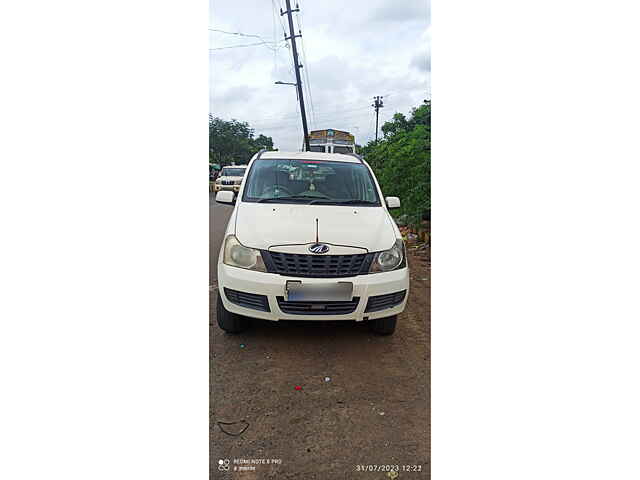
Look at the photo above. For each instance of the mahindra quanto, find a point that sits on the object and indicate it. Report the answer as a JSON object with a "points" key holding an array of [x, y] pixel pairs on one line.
{"points": [[311, 238]]}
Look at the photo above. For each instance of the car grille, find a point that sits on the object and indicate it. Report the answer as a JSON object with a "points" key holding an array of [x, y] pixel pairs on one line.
{"points": [[318, 308], [248, 300], [227, 182], [381, 302], [317, 266]]}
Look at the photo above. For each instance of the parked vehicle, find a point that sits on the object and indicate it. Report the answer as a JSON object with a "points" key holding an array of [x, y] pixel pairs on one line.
{"points": [[331, 141], [230, 178], [311, 238]]}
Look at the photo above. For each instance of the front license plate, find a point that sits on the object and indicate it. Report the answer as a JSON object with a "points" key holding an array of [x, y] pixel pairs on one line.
{"points": [[296, 291]]}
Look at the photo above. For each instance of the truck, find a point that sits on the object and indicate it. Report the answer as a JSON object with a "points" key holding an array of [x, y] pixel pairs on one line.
{"points": [[331, 141]]}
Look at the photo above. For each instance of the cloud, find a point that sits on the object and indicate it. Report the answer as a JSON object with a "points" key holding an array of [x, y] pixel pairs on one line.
{"points": [[238, 95], [402, 12], [422, 62]]}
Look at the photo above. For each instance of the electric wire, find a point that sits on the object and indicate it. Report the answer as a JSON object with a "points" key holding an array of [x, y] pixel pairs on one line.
{"points": [[237, 33], [334, 120], [266, 44], [275, 45], [277, 12], [306, 67], [275, 53], [326, 113]]}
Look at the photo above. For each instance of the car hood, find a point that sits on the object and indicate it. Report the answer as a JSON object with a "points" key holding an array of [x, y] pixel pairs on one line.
{"points": [[268, 225]]}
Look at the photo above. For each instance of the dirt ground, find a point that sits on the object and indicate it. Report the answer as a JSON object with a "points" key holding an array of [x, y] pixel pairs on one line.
{"points": [[364, 399]]}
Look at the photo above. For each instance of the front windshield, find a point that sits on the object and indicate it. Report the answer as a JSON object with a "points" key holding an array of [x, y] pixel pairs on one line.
{"points": [[310, 181], [232, 172]]}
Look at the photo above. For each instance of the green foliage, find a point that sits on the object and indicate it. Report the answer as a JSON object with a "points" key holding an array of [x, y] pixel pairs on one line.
{"points": [[401, 161], [234, 141]]}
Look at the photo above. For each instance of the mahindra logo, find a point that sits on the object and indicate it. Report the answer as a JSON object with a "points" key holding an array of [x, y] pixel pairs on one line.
{"points": [[319, 248]]}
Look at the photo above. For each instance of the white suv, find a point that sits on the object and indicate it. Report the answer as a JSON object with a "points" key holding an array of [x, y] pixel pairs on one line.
{"points": [[230, 178], [311, 238]]}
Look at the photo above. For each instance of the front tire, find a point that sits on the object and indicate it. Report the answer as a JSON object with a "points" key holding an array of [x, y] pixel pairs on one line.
{"points": [[228, 321], [384, 326]]}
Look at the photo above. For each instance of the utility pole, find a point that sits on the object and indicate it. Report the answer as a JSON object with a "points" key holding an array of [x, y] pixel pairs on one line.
{"points": [[377, 105], [297, 67]]}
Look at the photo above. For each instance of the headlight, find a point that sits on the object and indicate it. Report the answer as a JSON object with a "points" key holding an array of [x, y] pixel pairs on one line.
{"points": [[391, 259], [218, 180], [237, 255], [237, 182]]}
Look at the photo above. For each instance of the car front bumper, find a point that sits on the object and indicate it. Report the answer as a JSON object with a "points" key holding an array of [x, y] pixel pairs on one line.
{"points": [[272, 286]]}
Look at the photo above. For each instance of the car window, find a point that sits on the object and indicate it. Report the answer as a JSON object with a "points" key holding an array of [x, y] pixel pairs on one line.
{"points": [[310, 181], [233, 172], [341, 149]]}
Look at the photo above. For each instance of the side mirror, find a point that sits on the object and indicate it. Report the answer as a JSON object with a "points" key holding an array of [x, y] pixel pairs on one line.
{"points": [[392, 202], [226, 197]]}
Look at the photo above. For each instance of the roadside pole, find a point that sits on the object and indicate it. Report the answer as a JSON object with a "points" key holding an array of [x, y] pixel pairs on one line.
{"points": [[377, 105], [296, 68]]}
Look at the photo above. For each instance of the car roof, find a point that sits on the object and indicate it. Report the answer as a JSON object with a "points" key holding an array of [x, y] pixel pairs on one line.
{"points": [[330, 157]]}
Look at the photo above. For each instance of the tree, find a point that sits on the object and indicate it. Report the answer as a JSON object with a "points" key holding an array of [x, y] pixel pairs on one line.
{"points": [[397, 124], [402, 161], [264, 142], [233, 141]]}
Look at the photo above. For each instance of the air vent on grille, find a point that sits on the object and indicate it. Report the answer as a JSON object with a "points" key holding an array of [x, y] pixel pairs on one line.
{"points": [[248, 300], [319, 266], [318, 308], [380, 302]]}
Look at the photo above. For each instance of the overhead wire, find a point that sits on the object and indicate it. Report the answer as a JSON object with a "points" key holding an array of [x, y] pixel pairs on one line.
{"points": [[290, 69], [293, 75], [275, 45], [277, 12], [333, 113], [275, 53], [266, 44], [336, 109], [237, 33], [294, 79], [335, 116], [334, 120], [305, 69], [370, 132]]}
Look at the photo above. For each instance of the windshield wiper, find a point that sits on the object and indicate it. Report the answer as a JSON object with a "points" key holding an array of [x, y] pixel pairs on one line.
{"points": [[290, 197], [307, 196], [343, 202]]}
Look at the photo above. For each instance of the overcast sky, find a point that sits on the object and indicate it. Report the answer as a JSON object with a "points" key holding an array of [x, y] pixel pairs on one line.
{"points": [[355, 50]]}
